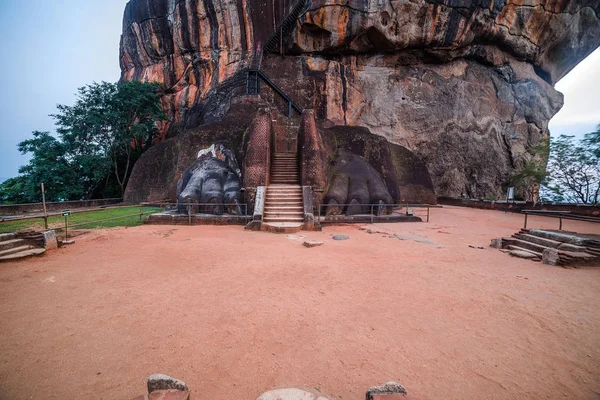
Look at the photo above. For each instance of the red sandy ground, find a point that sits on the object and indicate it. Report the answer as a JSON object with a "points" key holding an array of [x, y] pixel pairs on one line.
{"points": [[236, 313]]}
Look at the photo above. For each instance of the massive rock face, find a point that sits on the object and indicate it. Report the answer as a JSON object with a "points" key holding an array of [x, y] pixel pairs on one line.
{"points": [[465, 85]]}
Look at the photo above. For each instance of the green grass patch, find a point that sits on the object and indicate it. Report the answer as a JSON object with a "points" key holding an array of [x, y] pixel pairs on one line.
{"points": [[123, 217]]}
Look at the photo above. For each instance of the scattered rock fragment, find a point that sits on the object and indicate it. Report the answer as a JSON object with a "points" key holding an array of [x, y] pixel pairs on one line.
{"points": [[340, 237], [476, 247], [312, 243]]}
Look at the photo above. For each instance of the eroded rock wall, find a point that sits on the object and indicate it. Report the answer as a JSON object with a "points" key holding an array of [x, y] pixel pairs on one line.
{"points": [[194, 47], [465, 85], [472, 124]]}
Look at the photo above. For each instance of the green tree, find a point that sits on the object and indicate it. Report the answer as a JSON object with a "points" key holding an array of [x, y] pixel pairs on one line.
{"points": [[110, 126], [531, 176], [12, 191], [574, 170], [51, 165], [99, 138]]}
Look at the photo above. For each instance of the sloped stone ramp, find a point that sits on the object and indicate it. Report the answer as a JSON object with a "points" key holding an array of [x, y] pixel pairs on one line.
{"points": [[552, 247]]}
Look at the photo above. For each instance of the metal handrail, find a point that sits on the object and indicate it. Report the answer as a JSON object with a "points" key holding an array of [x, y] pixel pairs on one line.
{"points": [[276, 88], [560, 215], [296, 13]]}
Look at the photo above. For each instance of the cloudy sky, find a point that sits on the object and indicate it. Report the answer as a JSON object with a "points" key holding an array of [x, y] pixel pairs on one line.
{"points": [[51, 48]]}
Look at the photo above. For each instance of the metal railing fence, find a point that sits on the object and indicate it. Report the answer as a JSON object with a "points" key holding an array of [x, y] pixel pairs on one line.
{"points": [[560, 215], [377, 210]]}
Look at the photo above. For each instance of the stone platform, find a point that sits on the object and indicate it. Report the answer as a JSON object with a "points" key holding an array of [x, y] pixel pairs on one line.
{"points": [[365, 218], [174, 218]]}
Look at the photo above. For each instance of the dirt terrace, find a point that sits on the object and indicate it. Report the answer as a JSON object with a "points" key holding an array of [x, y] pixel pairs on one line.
{"points": [[236, 313]]}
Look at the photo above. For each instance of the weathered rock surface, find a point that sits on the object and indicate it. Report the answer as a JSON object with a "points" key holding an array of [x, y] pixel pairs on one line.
{"points": [[465, 85], [246, 129], [158, 382], [392, 389]]}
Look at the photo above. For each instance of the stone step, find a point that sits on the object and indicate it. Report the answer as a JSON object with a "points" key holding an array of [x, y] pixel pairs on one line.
{"points": [[7, 236], [11, 243], [560, 237], [536, 253], [285, 189], [23, 254], [15, 250], [297, 198], [567, 258], [523, 254], [282, 204], [284, 219], [538, 240], [286, 207], [285, 181], [270, 214], [526, 245], [282, 227]]}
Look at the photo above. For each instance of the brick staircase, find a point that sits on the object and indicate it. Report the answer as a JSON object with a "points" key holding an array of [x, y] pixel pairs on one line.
{"points": [[284, 207], [552, 247], [13, 247]]}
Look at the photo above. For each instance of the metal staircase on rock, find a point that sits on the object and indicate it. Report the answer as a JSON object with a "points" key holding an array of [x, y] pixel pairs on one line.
{"points": [[254, 75], [552, 247], [284, 207], [286, 26], [13, 246]]}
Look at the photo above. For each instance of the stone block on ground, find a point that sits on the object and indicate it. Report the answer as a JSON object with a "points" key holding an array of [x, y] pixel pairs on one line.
{"points": [[164, 382], [50, 241], [389, 391], [551, 257], [312, 243], [290, 394], [496, 243], [523, 254], [340, 237], [171, 394]]}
